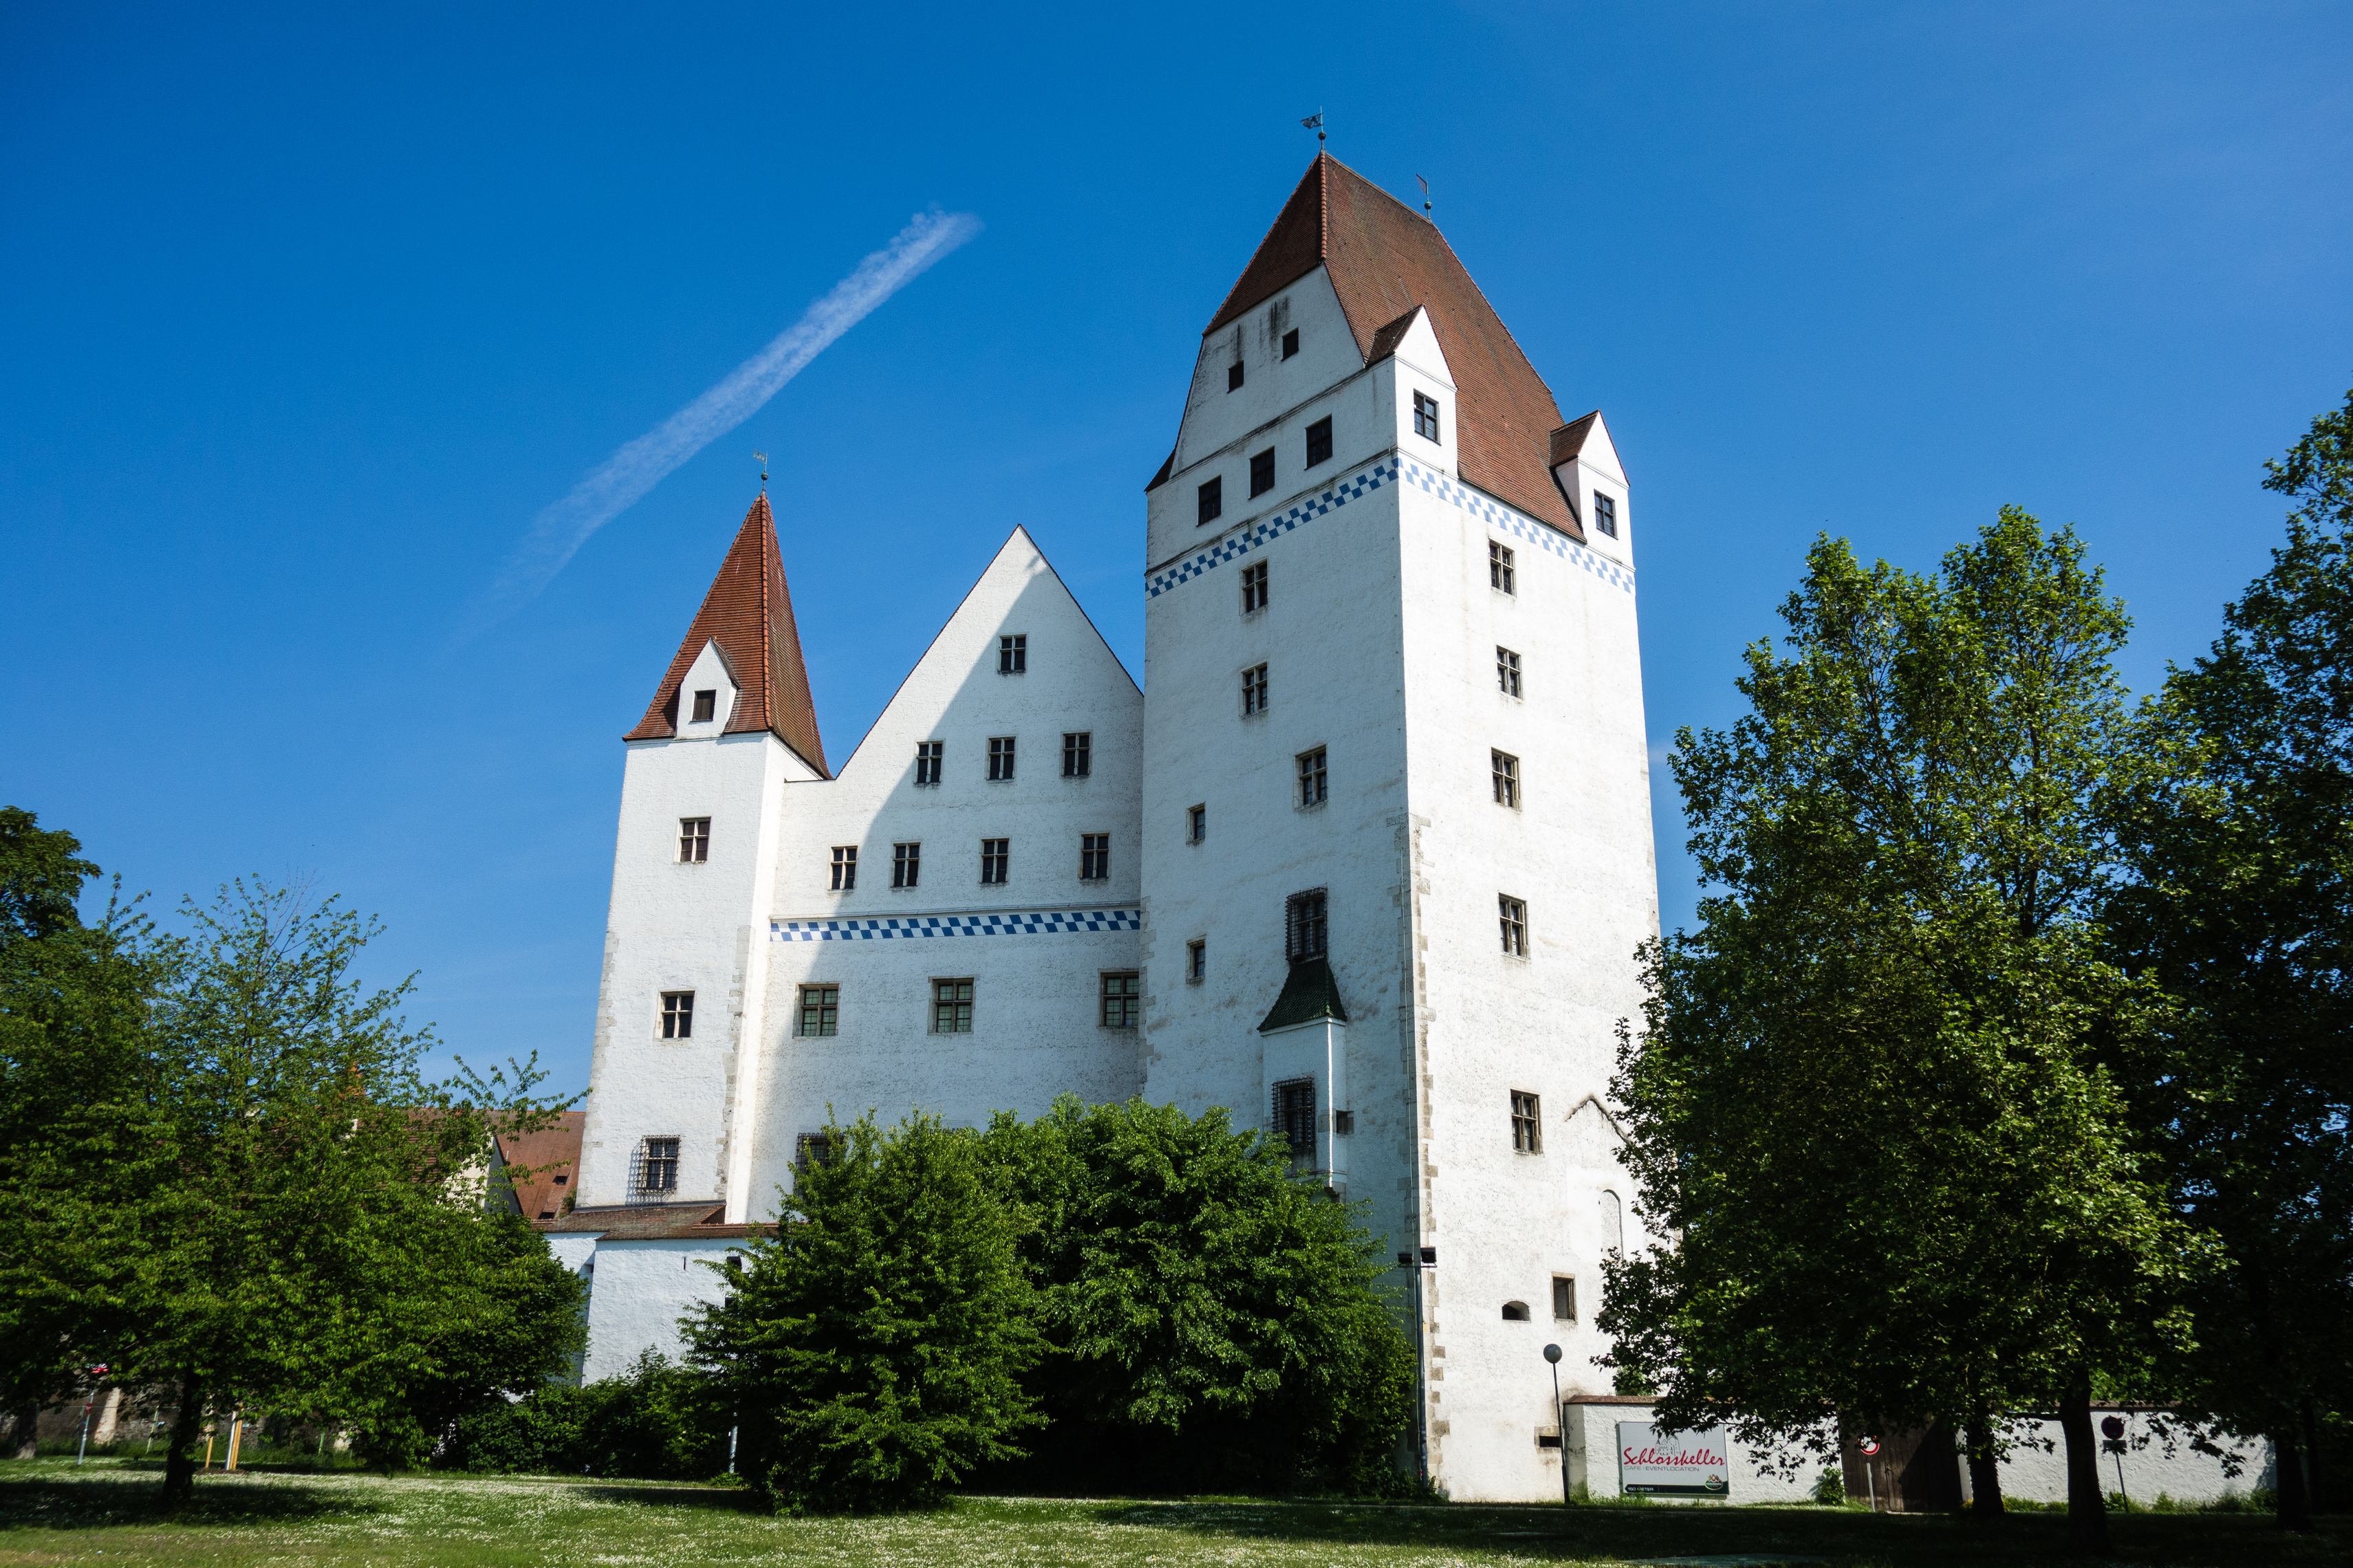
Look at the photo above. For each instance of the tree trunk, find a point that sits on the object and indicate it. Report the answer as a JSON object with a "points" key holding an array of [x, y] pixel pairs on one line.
{"points": [[1985, 1473], [2087, 1511], [2316, 1488], [180, 1458], [2291, 1497], [27, 1429]]}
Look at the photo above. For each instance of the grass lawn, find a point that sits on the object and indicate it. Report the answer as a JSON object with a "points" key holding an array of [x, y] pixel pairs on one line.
{"points": [[105, 1513]]}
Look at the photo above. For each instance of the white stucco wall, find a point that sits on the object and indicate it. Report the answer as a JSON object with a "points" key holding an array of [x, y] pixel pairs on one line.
{"points": [[637, 1291]]}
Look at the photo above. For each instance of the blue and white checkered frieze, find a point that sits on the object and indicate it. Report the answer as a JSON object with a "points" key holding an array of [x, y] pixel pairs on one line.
{"points": [[1242, 540], [1036, 922], [1503, 519]]}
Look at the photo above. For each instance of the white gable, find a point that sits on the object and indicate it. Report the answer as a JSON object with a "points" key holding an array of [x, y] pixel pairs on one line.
{"points": [[708, 673]]}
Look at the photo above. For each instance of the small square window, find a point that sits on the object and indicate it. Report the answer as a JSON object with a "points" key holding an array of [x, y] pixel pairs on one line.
{"points": [[1122, 1001], [1294, 1114], [658, 1165], [952, 1007], [1197, 823], [1013, 654], [1254, 690], [1000, 758], [820, 1009], [844, 868], [811, 1150], [1263, 472], [1527, 1124], [693, 839], [1311, 777], [996, 861], [1499, 568], [1605, 514], [1344, 1123], [1319, 442], [1197, 960], [1513, 916], [1507, 672], [1234, 376], [1078, 754], [1254, 586], [906, 864], [1564, 1299], [929, 755], [1504, 769], [1095, 857], [1306, 928], [1425, 417], [1291, 343], [677, 1015], [706, 707], [1210, 500]]}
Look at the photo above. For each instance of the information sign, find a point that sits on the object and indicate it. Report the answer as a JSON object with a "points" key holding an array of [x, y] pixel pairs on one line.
{"points": [[1689, 1464]]}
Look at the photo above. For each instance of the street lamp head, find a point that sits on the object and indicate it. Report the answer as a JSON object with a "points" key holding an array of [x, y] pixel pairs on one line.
{"points": [[1552, 1353]]}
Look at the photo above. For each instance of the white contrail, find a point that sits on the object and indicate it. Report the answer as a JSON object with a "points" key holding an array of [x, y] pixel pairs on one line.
{"points": [[618, 482]]}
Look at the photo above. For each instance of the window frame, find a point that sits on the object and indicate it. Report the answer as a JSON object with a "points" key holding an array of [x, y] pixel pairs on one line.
{"points": [[1078, 754], [827, 1004], [1293, 1115], [657, 1162], [1013, 653], [1129, 1001], [1503, 572], [1095, 857], [1234, 376], [1196, 823], [1314, 781], [1564, 1295], [1291, 343], [1261, 477], [844, 869], [1425, 418], [1507, 671], [1210, 500], [1511, 922], [996, 861], [931, 763], [1503, 772], [1254, 587], [906, 864], [1307, 925], [705, 710], [693, 840], [1605, 513], [959, 1019], [1001, 758], [1197, 960], [1527, 1122], [1254, 691], [1319, 435], [678, 1015]]}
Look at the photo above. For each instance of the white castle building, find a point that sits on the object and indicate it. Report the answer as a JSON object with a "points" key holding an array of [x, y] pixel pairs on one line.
{"points": [[1365, 862]]}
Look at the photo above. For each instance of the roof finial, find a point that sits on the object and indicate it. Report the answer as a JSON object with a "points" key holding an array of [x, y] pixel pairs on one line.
{"points": [[1425, 195], [763, 472], [1315, 122]]}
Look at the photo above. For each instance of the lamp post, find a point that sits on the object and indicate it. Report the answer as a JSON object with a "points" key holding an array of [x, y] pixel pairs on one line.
{"points": [[1560, 1421]]}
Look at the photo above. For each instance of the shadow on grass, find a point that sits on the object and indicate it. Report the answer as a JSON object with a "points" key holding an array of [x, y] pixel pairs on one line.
{"points": [[110, 1499]]}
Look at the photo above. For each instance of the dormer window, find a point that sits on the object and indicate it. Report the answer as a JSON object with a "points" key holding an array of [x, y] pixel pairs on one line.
{"points": [[1425, 417], [1212, 500], [1234, 376], [706, 707], [1605, 514], [1291, 343]]}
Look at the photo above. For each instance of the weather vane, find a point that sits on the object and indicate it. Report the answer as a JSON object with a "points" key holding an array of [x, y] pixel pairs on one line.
{"points": [[1315, 122], [1425, 195], [764, 465]]}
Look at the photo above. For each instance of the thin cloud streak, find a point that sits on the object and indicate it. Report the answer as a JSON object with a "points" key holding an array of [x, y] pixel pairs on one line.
{"points": [[622, 479]]}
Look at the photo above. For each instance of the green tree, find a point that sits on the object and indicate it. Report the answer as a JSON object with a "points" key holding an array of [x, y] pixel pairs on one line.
{"points": [[873, 1346], [1874, 1101], [1214, 1315], [2242, 908]]}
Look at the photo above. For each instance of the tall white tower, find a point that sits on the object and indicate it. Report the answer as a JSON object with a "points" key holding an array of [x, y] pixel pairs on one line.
{"points": [[1397, 827]]}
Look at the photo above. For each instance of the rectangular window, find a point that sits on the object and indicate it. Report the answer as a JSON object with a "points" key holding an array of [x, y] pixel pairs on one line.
{"points": [[693, 839], [677, 1015], [706, 707], [1319, 442], [1513, 915], [1254, 586], [1304, 927], [1344, 1123], [658, 1166], [1000, 758], [820, 1009], [1197, 823], [1095, 857], [1294, 1114], [1263, 472], [1013, 654], [1122, 1001], [811, 1150], [1499, 568], [1311, 777], [1234, 376], [996, 859], [1527, 1124], [1505, 770], [844, 868], [1291, 343], [1210, 500], [952, 1007], [1197, 960], [1254, 689], [929, 757], [1564, 1299], [906, 864], [1425, 417], [1507, 672], [1078, 754], [1605, 514]]}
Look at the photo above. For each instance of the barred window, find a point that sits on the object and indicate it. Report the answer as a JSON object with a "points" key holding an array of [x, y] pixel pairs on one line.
{"points": [[906, 864], [693, 839], [658, 1165], [1527, 1124], [1095, 857], [1294, 1114], [1263, 472], [1499, 568], [1605, 514], [1425, 417], [1254, 689], [996, 857], [952, 1007], [1319, 442], [1078, 754], [1507, 672], [1505, 770], [844, 868], [929, 757], [820, 1009], [1122, 1001], [1197, 960], [812, 1149], [1013, 654], [1254, 586], [706, 707], [1513, 916], [1210, 500], [1000, 757], [677, 1015], [1305, 926], [1311, 777]]}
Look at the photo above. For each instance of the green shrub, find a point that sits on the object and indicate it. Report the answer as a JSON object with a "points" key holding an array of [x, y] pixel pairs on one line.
{"points": [[658, 1421]]}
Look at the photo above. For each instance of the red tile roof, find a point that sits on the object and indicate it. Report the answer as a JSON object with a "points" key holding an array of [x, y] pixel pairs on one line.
{"points": [[1384, 260], [749, 613], [553, 1155], [658, 1222]]}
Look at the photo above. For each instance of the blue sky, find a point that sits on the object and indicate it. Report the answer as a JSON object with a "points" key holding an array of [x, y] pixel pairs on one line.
{"points": [[308, 313]]}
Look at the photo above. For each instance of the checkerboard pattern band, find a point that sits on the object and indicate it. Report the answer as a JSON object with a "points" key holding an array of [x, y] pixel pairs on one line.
{"points": [[1042, 923], [1241, 542], [1503, 519]]}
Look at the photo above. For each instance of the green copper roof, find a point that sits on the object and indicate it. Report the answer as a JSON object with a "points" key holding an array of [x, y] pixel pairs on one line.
{"points": [[1310, 993]]}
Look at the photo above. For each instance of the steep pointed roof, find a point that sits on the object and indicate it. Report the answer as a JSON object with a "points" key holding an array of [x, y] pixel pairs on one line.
{"points": [[749, 613], [1384, 260]]}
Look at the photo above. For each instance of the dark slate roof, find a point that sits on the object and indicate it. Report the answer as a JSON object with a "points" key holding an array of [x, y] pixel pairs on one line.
{"points": [[1309, 993]]}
